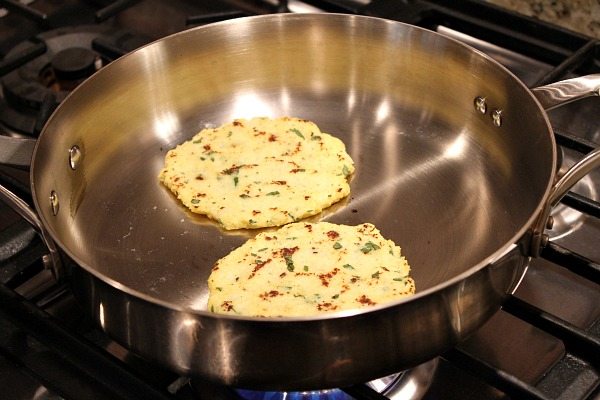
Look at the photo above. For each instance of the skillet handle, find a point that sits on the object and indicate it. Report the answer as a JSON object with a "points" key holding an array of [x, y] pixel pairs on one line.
{"points": [[563, 92], [17, 152], [566, 182], [552, 96], [54, 261]]}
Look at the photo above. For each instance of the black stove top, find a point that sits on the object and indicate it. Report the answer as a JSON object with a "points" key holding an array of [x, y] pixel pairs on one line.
{"points": [[543, 344]]}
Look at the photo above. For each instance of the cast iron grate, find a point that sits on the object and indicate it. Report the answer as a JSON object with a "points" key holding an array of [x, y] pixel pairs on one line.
{"points": [[102, 373]]}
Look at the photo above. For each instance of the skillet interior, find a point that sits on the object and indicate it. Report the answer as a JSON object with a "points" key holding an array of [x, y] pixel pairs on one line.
{"points": [[433, 174]]}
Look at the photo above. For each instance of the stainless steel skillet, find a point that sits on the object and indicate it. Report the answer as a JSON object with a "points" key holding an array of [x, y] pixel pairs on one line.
{"points": [[455, 162]]}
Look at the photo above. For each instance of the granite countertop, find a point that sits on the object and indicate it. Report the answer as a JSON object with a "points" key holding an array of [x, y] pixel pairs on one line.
{"points": [[581, 16]]}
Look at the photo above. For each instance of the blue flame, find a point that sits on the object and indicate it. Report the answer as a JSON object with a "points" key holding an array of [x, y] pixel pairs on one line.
{"points": [[331, 394]]}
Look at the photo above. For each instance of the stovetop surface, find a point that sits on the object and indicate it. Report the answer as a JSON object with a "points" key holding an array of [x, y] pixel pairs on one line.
{"points": [[510, 345]]}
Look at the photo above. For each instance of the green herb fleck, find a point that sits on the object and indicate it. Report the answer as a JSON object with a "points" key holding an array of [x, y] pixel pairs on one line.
{"points": [[263, 249], [315, 137], [335, 296], [235, 181], [375, 275], [275, 193], [297, 132], [244, 196], [368, 247], [220, 289], [337, 245], [197, 141], [290, 263], [195, 201], [399, 279], [251, 221], [306, 268], [347, 266], [345, 170]]}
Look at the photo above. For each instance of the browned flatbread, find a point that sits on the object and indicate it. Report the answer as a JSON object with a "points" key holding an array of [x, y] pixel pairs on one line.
{"points": [[304, 269], [260, 172]]}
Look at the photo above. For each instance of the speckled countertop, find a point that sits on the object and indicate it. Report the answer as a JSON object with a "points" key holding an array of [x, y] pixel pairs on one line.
{"points": [[578, 15]]}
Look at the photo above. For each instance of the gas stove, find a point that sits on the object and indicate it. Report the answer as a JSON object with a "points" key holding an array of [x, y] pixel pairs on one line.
{"points": [[543, 344]]}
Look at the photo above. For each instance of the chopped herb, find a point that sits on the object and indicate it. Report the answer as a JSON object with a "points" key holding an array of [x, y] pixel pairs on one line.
{"points": [[399, 279], [253, 254], [368, 247], [337, 245], [375, 275], [263, 249], [251, 221], [348, 266], [197, 141], [289, 263], [229, 134], [345, 170], [195, 201], [316, 137], [244, 196], [235, 181], [306, 267], [220, 289], [212, 308], [202, 158], [297, 132], [275, 193], [335, 296]]}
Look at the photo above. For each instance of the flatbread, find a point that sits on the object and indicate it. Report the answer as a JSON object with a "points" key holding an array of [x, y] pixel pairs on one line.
{"points": [[305, 269], [259, 172]]}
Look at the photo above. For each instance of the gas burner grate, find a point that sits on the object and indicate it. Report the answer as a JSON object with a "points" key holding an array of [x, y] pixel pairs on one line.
{"points": [[487, 22], [85, 368]]}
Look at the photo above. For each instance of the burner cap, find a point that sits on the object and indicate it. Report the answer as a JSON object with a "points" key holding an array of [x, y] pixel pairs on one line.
{"points": [[74, 63], [29, 93]]}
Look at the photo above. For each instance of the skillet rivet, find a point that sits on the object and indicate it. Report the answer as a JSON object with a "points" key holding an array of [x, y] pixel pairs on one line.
{"points": [[480, 104], [74, 157], [550, 222], [54, 202], [497, 117]]}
